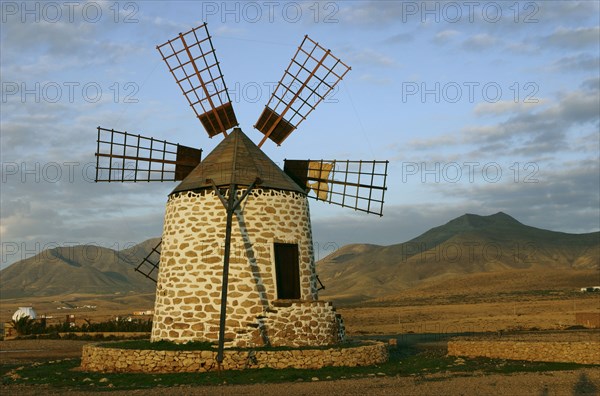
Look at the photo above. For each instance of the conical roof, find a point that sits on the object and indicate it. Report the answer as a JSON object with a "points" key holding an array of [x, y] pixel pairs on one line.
{"points": [[237, 160]]}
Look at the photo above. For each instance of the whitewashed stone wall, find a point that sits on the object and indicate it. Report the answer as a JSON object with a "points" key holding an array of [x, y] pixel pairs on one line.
{"points": [[188, 291]]}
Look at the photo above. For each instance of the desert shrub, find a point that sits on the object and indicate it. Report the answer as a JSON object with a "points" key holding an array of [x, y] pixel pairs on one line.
{"points": [[26, 326], [110, 326]]}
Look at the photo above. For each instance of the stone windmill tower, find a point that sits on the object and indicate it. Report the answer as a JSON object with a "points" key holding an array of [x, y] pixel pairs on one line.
{"points": [[235, 263]]}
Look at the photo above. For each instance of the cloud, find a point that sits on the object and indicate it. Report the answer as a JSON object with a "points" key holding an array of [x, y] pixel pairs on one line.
{"points": [[573, 38], [368, 57], [38, 207], [523, 48], [592, 84], [371, 12], [571, 193], [445, 36], [479, 42], [373, 79], [400, 38], [562, 11], [38, 52], [504, 107], [530, 198], [583, 62], [529, 129]]}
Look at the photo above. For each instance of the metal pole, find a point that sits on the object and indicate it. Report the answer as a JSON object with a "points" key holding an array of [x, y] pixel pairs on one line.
{"points": [[230, 206], [230, 209]]}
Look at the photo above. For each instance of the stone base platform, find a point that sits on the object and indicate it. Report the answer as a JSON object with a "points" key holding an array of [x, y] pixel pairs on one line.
{"points": [[113, 360]]}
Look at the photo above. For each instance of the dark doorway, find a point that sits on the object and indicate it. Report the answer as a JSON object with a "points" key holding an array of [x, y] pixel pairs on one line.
{"points": [[287, 271]]}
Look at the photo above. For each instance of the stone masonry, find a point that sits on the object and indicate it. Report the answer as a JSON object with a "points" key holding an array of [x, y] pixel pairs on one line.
{"points": [[103, 358], [189, 282]]}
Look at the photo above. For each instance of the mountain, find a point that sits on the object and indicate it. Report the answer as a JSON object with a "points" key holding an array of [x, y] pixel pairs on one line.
{"points": [[77, 269], [469, 244], [468, 253]]}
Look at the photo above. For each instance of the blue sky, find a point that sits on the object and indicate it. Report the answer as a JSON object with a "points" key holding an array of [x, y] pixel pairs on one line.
{"points": [[479, 106]]}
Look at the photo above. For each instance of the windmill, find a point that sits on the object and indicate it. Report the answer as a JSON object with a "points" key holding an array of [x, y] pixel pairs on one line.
{"points": [[237, 225]]}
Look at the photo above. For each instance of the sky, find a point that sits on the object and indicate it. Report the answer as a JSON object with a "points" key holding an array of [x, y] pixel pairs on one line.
{"points": [[480, 107]]}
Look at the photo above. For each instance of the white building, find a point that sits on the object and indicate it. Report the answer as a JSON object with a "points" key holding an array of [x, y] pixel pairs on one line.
{"points": [[23, 312]]}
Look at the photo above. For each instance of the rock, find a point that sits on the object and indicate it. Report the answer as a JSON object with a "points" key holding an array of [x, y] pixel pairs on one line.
{"points": [[314, 379]]}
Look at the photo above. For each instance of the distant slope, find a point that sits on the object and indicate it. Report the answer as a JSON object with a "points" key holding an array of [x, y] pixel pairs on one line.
{"points": [[469, 244], [77, 269]]}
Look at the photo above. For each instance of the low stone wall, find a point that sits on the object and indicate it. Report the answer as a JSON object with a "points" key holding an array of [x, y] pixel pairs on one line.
{"points": [[97, 358], [584, 352]]}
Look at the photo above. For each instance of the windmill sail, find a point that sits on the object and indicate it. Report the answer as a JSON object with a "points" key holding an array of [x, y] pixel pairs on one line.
{"points": [[359, 185], [192, 61], [124, 157], [318, 170], [149, 265], [311, 75]]}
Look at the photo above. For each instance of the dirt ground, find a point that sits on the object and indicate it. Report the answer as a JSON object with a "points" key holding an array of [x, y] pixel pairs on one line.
{"points": [[402, 319], [579, 382], [463, 317], [29, 351]]}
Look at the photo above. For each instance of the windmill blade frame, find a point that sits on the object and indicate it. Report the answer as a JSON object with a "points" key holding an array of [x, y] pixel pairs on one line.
{"points": [[125, 157], [359, 185], [311, 63], [192, 60], [149, 265]]}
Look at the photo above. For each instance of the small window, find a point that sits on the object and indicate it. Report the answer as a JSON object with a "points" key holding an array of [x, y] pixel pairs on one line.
{"points": [[287, 271]]}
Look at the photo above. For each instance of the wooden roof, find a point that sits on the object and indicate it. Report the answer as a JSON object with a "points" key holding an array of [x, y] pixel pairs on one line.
{"points": [[237, 160]]}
